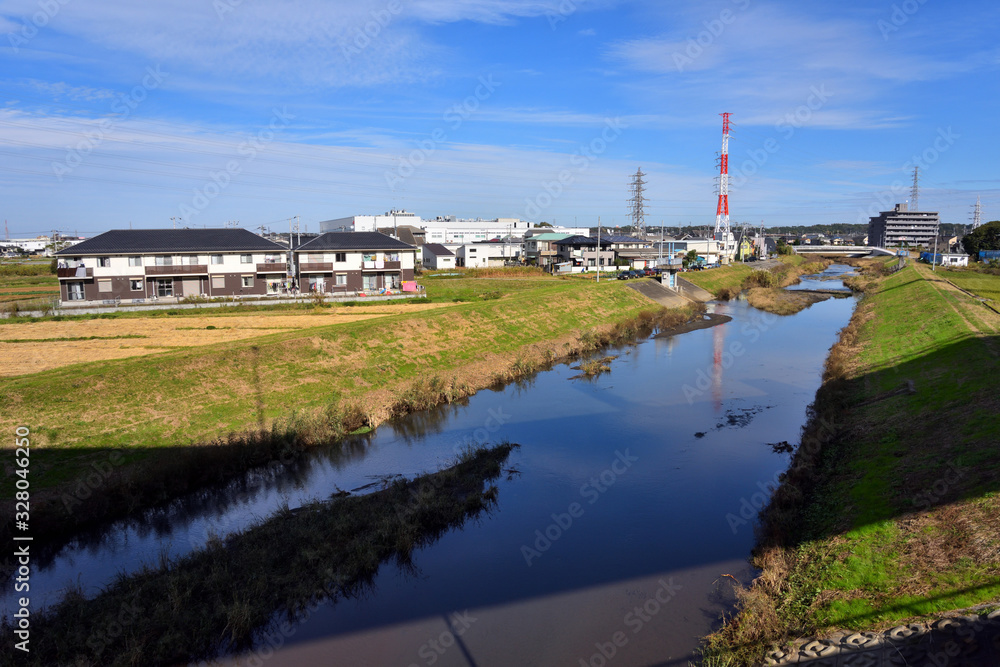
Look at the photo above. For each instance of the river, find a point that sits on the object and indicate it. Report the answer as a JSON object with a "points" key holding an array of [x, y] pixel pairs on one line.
{"points": [[617, 542]]}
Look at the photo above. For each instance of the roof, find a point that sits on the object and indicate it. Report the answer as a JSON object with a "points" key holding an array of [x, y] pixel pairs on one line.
{"points": [[354, 241], [577, 240], [438, 250], [547, 236], [617, 238], [125, 241]]}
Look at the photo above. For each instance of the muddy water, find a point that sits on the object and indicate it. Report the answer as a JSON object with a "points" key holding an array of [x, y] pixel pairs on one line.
{"points": [[633, 503]]}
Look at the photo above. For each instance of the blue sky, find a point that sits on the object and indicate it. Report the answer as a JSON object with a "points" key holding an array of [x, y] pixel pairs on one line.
{"points": [[117, 113]]}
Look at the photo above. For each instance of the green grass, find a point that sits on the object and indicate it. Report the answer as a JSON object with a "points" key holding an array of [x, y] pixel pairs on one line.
{"points": [[714, 280], [983, 284], [863, 546], [313, 383]]}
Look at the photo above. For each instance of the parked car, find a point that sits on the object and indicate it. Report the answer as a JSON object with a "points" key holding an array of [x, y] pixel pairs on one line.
{"points": [[624, 275]]}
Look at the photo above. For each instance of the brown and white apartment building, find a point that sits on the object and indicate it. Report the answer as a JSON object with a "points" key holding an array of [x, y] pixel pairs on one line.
{"points": [[149, 264], [342, 262]]}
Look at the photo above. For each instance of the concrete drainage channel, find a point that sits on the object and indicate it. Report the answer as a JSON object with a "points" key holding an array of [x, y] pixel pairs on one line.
{"points": [[958, 641]]}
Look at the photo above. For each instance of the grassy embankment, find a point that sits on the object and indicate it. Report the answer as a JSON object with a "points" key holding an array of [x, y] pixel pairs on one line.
{"points": [[891, 508], [217, 598], [25, 286], [113, 437], [764, 287]]}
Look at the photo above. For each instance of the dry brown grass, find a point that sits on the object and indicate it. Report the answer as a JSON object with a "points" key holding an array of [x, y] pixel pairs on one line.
{"points": [[781, 301], [159, 334]]}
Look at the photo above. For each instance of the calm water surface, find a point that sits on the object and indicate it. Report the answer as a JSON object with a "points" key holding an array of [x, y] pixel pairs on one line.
{"points": [[666, 456]]}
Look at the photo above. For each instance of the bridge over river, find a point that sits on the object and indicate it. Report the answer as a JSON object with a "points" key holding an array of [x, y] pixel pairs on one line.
{"points": [[848, 250]]}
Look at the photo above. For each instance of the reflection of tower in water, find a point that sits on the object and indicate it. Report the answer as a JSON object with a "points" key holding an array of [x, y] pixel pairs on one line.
{"points": [[718, 339]]}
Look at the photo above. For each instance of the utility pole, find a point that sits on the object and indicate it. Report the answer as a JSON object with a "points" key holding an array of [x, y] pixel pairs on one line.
{"points": [[915, 190], [598, 248], [174, 220]]}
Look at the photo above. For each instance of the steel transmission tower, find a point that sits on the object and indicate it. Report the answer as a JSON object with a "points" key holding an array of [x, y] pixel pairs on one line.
{"points": [[722, 229], [977, 214], [636, 209], [915, 190]]}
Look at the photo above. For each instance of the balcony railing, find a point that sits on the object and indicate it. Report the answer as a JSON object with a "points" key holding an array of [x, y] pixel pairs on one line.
{"points": [[316, 267], [272, 267], [72, 273], [385, 266], [176, 270]]}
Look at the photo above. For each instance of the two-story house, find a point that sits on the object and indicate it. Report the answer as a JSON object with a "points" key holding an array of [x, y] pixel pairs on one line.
{"points": [[133, 265], [339, 262]]}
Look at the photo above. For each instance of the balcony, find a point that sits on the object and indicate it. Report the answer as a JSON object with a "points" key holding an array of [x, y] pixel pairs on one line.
{"points": [[385, 266], [177, 270], [272, 267], [316, 267], [71, 273]]}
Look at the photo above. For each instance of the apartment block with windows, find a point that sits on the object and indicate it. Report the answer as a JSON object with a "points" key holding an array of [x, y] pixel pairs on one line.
{"points": [[133, 266], [341, 262]]}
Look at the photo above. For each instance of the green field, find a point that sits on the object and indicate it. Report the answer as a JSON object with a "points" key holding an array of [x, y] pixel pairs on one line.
{"points": [[156, 412], [985, 285], [894, 516]]}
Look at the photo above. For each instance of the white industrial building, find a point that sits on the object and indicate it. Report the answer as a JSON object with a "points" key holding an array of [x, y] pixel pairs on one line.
{"points": [[445, 229], [483, 255]]}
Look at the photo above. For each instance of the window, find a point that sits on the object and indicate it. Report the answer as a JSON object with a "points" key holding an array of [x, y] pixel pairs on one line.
{"points": [[216, 259], [248, 281], [104, 261], [135, 260], [340, 257], [218, 282], [246, 259], [189, 259], [135, 284], [165, 287], [104, 285], [164, 260], [341, 280], [74, 291], [368, 281], [315, 257]]}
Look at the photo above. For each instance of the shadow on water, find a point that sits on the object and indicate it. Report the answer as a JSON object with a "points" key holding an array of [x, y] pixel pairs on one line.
{"points": [[664, 516], [230, 591]]}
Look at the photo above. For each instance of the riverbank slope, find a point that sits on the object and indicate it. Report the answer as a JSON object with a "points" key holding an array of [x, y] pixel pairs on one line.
{"points": [[111, 438], [890, 510]]}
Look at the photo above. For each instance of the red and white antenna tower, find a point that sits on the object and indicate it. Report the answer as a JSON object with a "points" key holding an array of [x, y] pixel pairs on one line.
{"points": [[722, 230]]}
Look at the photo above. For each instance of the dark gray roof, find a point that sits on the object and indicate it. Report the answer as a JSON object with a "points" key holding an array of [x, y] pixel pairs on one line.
{"points": [[137, 241], [438, 250], [354, 241]]}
